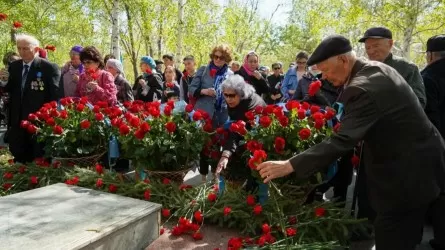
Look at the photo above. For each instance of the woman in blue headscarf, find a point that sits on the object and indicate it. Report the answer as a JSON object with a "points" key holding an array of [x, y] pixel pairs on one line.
{"points": [[148, 86], [71, 72]]}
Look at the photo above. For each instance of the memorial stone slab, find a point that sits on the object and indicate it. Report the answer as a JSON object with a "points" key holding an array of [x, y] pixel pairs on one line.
{"points": [[66, 217]]}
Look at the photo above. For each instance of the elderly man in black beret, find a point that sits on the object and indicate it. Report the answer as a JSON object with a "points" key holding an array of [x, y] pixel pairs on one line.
{"points": [[378, 44], [405, 153]]}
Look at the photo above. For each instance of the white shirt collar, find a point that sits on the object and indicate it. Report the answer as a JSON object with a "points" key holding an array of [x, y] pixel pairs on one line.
{"points": [[29, 64]]}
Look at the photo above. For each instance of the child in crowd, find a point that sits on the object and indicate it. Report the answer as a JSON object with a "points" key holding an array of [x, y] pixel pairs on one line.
{"points": [[171, 86]]}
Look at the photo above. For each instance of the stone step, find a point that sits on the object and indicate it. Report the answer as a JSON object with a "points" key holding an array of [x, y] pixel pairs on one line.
{"points": [[69, 217]]}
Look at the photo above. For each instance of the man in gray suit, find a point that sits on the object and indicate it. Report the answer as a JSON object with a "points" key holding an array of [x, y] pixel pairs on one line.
{"points": [[405, 154]]}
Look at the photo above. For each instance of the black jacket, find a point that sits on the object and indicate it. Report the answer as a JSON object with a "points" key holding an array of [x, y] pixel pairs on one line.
{"points": [[325, 97], [434, 80], [405, 153], [21, 145], [261, 86], [239, 113], [274, 87], [154, 84]]}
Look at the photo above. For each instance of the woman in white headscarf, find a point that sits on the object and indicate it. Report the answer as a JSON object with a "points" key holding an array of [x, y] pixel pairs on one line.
{"points": [[124, 92]]}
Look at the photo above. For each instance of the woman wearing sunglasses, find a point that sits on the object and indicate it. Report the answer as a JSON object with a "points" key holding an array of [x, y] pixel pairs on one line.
{"points": [[240, 98], [95, 83], [206, 90]]}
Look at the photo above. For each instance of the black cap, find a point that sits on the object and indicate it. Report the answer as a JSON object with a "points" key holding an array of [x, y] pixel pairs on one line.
{"points": [[376, 32], [331, 46], [436, 43], [159, 62]]}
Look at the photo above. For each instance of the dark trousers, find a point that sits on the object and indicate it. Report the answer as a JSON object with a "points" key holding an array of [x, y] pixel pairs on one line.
{"points": [[343, 177], [24, 146], [437, 214], [399, 230], [204, 162], [364, 207]]}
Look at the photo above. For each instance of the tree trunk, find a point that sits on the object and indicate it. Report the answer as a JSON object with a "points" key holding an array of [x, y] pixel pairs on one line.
{"points": [[410, 23], [160, 37], [180, 30], [133, 56], [115, 29]]}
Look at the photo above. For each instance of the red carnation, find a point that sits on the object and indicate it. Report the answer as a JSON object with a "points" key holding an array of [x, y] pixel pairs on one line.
{"points": [[291, 231], [134, 121], [319, 123], [284, 121], [266, 228], [279, 144], [184, 186], [148, 71], [85, 124], [168, 110], [50, 47], [317, 115], [258, 110], [50, 122], [7, 186], [292, 220], [80, 107], [265, 121], [257, 209], [32, 117], [213, 73], [165, 212], [314, 87], [145, 127], [54, 113], [197, 236], [198, 216], [99, 169], [250, 200], [301, 114], [235, 243], [254, 145], [17, 25], [139, 134], [22, 169], [112, 188], [355, 160], [124, 129], [99, 183], [250, 115], [269, 109], [197, 116], [189, 108], [24, 124], [63, 114], [211, 197], [171, 127], [227, 211], [330, 113], [208, 127], [169, 85], [166, 181], [34, 180], [8, 175], [314, 109], [147, 194], [31, 129], [337, 127], [305, 105], [3, 17], [320, 212], [260, 155], [161, 231], [58, 130], [278, 112], [99, 116], [304, 133], [292, 104]]}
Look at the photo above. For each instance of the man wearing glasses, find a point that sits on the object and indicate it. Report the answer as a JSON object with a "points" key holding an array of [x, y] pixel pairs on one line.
{"points": [[275, 81]]}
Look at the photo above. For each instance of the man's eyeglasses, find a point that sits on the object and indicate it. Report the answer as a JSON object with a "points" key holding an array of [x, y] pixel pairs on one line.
{"points": [[229, 95]]}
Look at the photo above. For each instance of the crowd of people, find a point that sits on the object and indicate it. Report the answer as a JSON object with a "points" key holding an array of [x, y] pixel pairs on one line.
{"points": [[413, 101]]}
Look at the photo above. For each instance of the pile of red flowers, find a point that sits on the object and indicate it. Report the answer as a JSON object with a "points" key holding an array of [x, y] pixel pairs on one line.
{"points": [[73, 128], [159, 137]]}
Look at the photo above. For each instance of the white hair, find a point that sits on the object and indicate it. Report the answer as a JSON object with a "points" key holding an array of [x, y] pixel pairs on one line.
{"points": [[237, 83], [32, 41]]}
